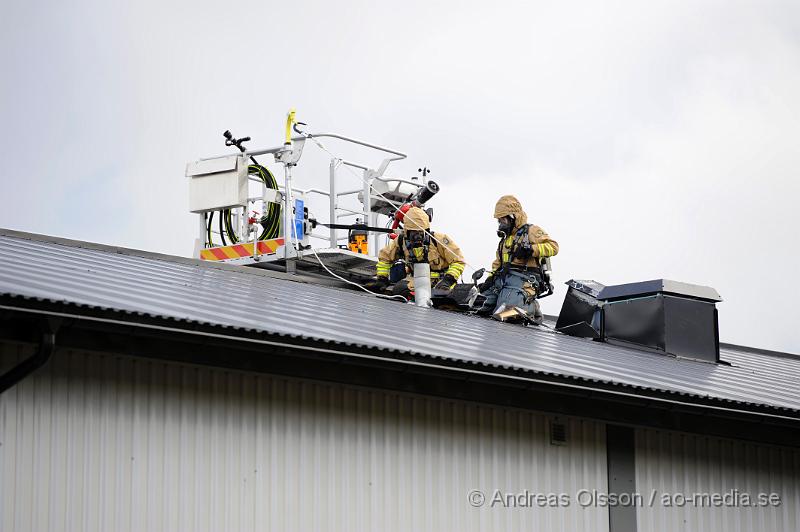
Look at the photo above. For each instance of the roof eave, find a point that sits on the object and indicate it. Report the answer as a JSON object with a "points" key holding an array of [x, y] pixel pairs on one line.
{"points": [[89, 326]]}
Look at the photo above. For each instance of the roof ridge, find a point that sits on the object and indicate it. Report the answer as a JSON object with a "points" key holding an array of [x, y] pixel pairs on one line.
{"points": [[760, 351]]}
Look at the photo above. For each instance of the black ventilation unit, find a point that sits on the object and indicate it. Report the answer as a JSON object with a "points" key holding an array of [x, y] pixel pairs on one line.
{"points": [[676, 318]]}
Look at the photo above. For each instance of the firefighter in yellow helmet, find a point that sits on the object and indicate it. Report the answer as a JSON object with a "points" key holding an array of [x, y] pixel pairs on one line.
{"points": [[418, 243], [517, 278]]}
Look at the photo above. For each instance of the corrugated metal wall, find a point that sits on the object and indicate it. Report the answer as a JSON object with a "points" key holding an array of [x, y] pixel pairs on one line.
{"points": [[98, 443], [675, 463]]}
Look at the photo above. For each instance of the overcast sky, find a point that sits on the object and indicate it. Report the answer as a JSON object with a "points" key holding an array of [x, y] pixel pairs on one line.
{"points": [[649, 139]]}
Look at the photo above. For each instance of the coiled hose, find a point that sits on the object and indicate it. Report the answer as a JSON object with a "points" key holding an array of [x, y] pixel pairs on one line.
{"points": [[270, 221]]}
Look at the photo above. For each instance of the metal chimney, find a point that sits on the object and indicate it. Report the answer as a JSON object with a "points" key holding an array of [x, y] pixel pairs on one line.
{"points": [[676, 318]]}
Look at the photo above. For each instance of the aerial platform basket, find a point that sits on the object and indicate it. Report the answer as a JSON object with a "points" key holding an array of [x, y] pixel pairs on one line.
{"points": [[221, 194]]}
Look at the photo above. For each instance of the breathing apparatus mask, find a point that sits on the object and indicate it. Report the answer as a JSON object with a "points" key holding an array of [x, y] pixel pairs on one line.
{"points": [[505, 225], [417, 243]]}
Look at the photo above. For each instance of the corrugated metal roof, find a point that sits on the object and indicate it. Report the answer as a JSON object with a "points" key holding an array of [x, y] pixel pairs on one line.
{"points": [[186, 289]]}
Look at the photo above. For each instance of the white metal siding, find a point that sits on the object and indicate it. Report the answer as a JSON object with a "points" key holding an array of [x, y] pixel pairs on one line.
{"points": [[671, 462], [102, 442]]}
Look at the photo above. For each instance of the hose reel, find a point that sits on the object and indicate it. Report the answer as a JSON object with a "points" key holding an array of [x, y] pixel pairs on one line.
{"points": [[269, 221]]}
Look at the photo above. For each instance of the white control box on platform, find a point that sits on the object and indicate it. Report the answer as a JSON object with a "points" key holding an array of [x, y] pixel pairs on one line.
{"points": [[217, 183]]}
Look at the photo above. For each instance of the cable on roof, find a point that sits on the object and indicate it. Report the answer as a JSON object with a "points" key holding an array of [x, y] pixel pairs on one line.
{"points": [[296, 243], [397, 297]]}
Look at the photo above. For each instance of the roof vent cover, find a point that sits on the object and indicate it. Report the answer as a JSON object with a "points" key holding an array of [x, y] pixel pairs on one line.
{"points": [[676, 318]]}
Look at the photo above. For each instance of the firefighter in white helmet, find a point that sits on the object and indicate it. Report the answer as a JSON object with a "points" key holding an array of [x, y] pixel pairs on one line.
{"points": [[517, 278], [418, 243]]}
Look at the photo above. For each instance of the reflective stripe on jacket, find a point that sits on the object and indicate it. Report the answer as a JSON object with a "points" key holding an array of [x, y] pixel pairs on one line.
{"points": [[444, 256]]}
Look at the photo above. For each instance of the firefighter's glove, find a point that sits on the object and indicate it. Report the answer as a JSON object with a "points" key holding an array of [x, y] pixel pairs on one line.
{"points": [[487, 284], [378, 284], [446, 282], [524, 249]]}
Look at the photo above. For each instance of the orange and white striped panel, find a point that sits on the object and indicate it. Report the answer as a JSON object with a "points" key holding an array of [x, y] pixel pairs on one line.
{"points": [[237, 251]]}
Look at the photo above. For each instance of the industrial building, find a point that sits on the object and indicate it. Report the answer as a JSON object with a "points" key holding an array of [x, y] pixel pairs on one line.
{"points": [[145, 392]]}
